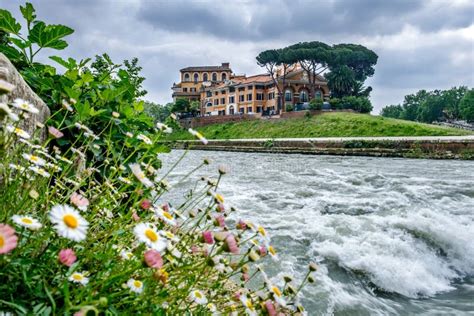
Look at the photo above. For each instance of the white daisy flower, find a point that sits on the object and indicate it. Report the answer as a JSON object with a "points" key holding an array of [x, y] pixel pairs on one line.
{"points": [[161, 126], [145, 139], [39, 171], [27, 221], [25, 106], [125, 180], [128, 134], [164, 216], [140, 175], [16, 167], [34, 159], [146, 233], [64, 159], [18, 131], [4, 108], [68, 222], [79, 277], [198, 135], [277, 295], [67, 106], [198, 297], [272, 253], [169, 235], [126, 254], [168, 130], [135, 285], [6, 87], [249, 308]]}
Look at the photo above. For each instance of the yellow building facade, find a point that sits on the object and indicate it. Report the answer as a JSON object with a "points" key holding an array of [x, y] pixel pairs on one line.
{"points": [[232, 94]]}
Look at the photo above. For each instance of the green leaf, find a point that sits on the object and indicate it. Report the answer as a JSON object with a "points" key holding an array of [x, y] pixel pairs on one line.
{"points": [[28, 12], [8, 22], [60, 61], [11, 52], [49, 35], [139, 106], [20, 43]]}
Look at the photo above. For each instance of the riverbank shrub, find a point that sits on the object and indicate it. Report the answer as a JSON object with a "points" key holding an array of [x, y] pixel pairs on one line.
{"points": [[316, 104]]}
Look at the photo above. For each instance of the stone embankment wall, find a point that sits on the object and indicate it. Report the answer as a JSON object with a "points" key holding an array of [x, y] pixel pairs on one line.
{"points": [[434, 149]]}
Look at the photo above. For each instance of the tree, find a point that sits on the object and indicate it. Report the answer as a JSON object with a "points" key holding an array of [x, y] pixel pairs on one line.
{"points": [[431, 109], [181, 105], [394, 111], [158, 112], [341, 81], [466, 106]]}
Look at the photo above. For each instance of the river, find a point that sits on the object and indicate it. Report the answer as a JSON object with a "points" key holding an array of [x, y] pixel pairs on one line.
{"points": [[391, 236]]}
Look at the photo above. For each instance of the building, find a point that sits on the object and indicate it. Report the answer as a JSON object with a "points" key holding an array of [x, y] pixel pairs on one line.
{"points": [[221, 92]]}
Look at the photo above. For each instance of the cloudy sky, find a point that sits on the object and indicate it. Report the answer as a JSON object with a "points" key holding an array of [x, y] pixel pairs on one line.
{"points": [[422, 44]]}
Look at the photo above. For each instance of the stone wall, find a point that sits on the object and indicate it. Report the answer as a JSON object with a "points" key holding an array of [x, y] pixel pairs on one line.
{"points": [[9, 74]]}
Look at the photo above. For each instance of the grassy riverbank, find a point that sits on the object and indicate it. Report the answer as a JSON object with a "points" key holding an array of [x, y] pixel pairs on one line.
{"points": [[325, 125]]}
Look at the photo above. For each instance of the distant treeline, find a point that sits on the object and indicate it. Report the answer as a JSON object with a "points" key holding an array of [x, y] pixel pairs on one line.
{"points": [[439, 105]]}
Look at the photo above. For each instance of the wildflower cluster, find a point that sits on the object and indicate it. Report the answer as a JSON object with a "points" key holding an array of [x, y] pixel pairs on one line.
{"points": [[80, 233]]}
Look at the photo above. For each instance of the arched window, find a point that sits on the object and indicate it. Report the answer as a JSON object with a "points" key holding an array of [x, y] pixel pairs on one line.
{"points": [[196, 77], [204, 77], [303, 96], [224, 77], [318, 95], [209, 104], [231, 110], [288, 95], [186, 77], [214, 77]]}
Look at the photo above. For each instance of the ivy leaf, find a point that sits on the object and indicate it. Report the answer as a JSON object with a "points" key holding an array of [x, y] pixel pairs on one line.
{"points": [[8, 22], [49, 35], [28, 12]]}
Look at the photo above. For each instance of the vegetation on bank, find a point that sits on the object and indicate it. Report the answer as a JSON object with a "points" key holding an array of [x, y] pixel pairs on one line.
{"points": [[84, 226], [428, 106], [336, 124]]}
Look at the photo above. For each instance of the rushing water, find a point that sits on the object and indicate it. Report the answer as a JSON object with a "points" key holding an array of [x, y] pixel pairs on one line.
{"points": [[392, 236]]}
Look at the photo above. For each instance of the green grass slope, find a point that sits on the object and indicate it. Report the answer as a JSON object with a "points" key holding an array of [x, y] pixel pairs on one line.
{"points": [[335, 124]]}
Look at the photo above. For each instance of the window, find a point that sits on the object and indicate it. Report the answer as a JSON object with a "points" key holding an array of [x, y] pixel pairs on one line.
{"points": [[271, 96], [209, 104], [242, 89], [241, 110], [204, 77], [249, 109], [303, 96], [231, 89], [231, 110], [288, 95], [222, 100], [192, 89], [216, 93], [223, 92], [259, 96], [241, 98], [249, 87], [214, 77], [249, 97], [224, 77], [186, 77], [259, 109], [208, 93], [221, 112], [231, 99], [185, 89], [216, 101], [318, 95], [196, 77], [259, 87]]}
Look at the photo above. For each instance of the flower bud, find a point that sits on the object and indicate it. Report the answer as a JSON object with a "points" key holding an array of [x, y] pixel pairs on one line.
{"points": [[313, 267], [67, 257]]}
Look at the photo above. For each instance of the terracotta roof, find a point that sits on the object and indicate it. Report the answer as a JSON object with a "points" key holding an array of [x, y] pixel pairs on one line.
{"points": [[262, 78]]}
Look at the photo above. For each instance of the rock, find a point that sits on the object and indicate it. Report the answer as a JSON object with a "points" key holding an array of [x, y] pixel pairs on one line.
{"points": [[9, 74]]}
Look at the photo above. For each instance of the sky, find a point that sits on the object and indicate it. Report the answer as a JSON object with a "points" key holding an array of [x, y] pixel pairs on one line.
{"points": [[421, 44]]}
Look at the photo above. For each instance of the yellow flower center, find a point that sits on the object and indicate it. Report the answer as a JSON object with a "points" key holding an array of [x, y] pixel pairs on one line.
{"points": [[220, 198], [70, 221], [2, 241], [169, 235], [137, 283], [167, 215], [198, 294], [248, 303], [261, 230], [272, 250], [24, 106], [150, 234], [18, 130], [276, 291], [34, 158], [26, 221], [77, 277]]}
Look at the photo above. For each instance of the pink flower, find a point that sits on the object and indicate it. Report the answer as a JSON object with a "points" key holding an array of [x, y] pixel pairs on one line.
{"points": [[145, 204], [237, 295], [8, 239], [220, 220], [245, 277], [153, 259], [67, 257], [165, 207], [263, 251], [270, 308], [135, 216], [208, 238], [241, 225], [232, 244], [79, 201], [53, 131], [195, 249], [220, 207]]}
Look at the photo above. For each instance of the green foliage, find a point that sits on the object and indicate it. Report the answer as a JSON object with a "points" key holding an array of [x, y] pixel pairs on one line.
{"points": [[328, 124], [429, 106], [182, 105], [466, 106], [289, 107], [158, 112], [316, 104]]}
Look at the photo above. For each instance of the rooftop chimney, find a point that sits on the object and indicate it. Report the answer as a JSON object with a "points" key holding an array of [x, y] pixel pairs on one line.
{"points": [[225, 65]]}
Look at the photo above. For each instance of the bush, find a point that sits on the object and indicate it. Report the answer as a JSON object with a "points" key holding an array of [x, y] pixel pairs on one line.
{"points": [[289, 107], [358, 104], [316, 104], [466, 106]]}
